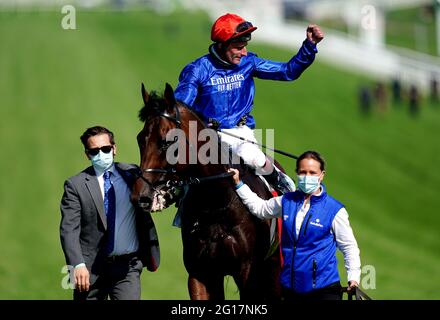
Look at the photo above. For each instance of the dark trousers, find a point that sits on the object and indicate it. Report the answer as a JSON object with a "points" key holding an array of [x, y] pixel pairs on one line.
{"points": [[331, 292], [119, 280]]}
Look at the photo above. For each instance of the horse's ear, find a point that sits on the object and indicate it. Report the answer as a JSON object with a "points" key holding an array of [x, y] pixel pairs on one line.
{"points": [[145, 95], [169, 96]]}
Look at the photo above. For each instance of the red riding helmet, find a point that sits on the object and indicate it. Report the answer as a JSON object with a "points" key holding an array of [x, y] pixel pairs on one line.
{"points": [[230, 27]]}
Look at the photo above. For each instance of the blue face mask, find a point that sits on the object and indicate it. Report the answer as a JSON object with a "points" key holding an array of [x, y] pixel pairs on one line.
{"points": [[102, 161], [308, 184]]}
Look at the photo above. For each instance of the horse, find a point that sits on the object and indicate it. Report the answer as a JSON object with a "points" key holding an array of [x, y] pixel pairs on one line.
{"points": [[219, 235]]}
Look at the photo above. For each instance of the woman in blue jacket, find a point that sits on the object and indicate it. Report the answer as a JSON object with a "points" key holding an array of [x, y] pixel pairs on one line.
{"points": [[314, 224], [219, 86]]}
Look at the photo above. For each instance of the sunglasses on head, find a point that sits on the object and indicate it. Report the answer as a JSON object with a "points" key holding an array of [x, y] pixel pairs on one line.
{"points": [[95, 151]]}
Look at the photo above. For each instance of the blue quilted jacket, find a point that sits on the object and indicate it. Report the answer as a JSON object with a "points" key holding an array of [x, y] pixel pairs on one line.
{"points": [[225, 93]]}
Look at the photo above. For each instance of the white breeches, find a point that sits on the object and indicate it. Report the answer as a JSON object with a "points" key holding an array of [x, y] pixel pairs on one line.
{"points": [[250, 153]]}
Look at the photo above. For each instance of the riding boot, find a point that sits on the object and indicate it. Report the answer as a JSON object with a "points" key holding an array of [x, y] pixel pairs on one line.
{"points": [[277, 181]]}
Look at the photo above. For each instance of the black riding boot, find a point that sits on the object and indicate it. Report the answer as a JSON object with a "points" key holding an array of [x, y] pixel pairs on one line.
{"points": [[277, 182]]}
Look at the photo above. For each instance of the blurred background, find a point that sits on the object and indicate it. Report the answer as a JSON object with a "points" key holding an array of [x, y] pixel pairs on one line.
{"points": [[369, 104]]}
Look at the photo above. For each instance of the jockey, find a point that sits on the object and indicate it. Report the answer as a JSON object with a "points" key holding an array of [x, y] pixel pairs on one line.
{"points": [[219, 87]]}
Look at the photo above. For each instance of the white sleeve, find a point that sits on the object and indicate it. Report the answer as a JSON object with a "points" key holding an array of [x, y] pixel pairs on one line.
{"points": [[346, 242], [263, 209]]}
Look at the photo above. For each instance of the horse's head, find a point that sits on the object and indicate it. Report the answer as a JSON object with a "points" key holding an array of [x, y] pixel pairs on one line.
{"points": [[160, 115]]}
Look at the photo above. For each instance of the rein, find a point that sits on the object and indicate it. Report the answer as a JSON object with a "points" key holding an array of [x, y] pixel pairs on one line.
{"points": [[196, 180], [284, 153], [180, 183]]}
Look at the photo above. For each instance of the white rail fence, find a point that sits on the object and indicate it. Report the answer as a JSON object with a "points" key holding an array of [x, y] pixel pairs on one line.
{"points": [[348, 52], [344, 50]]}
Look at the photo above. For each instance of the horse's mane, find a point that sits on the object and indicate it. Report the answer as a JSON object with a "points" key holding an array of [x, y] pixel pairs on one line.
{"points": [[156, 104]]}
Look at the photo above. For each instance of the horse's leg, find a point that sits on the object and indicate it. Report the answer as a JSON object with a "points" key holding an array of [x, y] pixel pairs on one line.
{"points": [[270, 277], [197, 289], [248, 283], [211, 289], [261, 282]]}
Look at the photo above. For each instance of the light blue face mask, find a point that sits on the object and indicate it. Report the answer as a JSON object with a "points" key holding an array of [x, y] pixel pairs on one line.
{"points": [[102, 161], [308, 184]]}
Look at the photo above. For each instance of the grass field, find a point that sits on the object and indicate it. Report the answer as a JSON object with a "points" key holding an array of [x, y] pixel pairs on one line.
{"points": [[54, 83], [412, 28]]}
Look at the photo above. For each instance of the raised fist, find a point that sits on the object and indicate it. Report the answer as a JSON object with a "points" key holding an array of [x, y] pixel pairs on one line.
{"points": [[314, 33]]}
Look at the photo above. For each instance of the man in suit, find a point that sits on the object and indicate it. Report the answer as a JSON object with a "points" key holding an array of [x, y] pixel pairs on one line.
{"points": [[105, 239]]}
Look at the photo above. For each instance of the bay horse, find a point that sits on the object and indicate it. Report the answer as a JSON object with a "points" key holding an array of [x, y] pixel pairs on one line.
{"points": [[219, 235]]}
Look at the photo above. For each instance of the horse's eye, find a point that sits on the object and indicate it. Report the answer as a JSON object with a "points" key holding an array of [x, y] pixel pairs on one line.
{"points": [[162, 144]]}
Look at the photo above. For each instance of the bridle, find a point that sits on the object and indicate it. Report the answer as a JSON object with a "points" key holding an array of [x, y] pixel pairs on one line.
{"points": [[172, 170]]}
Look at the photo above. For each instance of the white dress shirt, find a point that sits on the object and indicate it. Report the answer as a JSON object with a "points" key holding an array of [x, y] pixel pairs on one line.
{"points": [[126, 240], [345, 240]]}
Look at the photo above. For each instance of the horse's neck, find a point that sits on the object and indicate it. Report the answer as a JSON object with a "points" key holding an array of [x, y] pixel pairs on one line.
{"points": [[209, 169], [213, 196], [219, 191], [200, 169]]}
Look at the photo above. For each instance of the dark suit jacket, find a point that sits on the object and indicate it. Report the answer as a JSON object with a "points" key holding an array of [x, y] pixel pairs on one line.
{"points": [[83, 228]]}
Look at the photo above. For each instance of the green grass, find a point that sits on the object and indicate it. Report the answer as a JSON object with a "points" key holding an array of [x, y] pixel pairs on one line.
{"points": [[54, 83], [413, 29]]}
